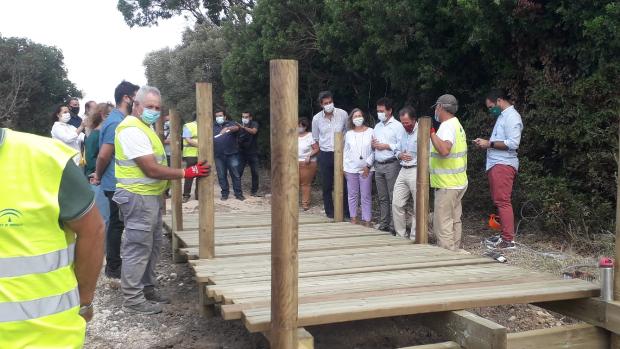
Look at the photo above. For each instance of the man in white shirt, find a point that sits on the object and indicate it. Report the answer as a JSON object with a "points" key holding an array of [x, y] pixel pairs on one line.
{"points": [[502, 163], [324, 124], [405, 185], [386, 142]]}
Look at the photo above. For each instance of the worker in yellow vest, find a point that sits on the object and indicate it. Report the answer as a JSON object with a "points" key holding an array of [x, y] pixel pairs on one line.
{"points": [[448, 168], [142, 176], [190, 153], [51, 244]]}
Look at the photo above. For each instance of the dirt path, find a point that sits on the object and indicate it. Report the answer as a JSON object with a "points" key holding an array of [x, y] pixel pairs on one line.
{"points": [[180, 325]]}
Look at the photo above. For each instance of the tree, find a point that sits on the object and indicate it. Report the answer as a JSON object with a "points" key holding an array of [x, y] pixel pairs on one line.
{"points": [[33, 80]]}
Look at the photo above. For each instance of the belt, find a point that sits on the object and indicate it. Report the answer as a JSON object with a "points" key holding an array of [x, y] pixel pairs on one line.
{"points": [[386, 161], [408, 167]]}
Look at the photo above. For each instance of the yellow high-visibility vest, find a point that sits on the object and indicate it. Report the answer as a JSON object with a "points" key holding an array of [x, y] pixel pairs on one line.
{"points": [[128, 175], [190, 150], [39, 299], [450, 171]]}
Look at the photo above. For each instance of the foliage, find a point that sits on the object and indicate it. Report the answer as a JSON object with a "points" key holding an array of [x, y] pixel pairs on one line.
{"points": [[33, 80], [557, 59]]}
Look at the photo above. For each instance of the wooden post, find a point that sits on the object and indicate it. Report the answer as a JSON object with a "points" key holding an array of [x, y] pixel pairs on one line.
{"points": [[204, 186], [338, 178], [159, 129], [285, 205], [615, 339], [177, 203], [422, 184]]}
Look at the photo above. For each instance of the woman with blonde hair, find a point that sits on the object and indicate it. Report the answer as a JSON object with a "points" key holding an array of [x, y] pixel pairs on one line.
{"points": [[358, 168]]}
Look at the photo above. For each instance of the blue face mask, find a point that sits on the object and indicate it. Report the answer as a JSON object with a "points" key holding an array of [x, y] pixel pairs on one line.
{"points": [[436, 117], [150, 116]]}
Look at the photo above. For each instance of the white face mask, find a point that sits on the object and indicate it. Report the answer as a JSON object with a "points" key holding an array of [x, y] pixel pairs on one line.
{"points": [[329, 108], [381, 116], [65, 118], [245, 121], [219, 120], [358, 121], [301, 129]]}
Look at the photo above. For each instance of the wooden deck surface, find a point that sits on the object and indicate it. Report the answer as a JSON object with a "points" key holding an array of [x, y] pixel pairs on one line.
{"points": [[348, 272]]}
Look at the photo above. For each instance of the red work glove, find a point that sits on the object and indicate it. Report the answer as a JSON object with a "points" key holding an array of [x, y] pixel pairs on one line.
{"points": [[432, 130], [201, 169]]}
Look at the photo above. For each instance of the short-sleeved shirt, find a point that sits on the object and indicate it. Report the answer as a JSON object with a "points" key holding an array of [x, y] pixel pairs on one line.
{"points": [[323, 129], [135, 143], [447, 132], [108, 180], [75, 197], [226, 144], [247, 141]]}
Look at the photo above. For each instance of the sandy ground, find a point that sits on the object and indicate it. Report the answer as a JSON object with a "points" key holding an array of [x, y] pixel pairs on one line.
{"points": [[180, 325]]}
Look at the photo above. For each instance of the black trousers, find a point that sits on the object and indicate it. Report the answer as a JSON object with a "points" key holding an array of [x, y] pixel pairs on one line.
{"points": [[113, 237], [187, 184], [250, 159], [326, 168]]}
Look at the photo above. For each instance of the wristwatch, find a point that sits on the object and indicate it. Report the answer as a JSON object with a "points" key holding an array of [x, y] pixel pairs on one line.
{"points": [[492, 145], [86, 308]]}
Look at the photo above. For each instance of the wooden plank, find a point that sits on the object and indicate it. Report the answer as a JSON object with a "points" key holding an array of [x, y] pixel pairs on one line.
{"points": [[285, 203], [467, 329], [257, 320], [175, 190], [422, 181], [580, 336], [591, 310], [204, 186], [444, 345]]}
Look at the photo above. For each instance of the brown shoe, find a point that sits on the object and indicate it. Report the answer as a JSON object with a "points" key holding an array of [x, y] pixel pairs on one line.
{"points": [[353, 220], [368, 224]]}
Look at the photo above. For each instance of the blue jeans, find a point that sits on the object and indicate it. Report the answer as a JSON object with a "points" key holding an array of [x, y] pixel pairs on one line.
{"points": [[101, 201], [228, 164]]}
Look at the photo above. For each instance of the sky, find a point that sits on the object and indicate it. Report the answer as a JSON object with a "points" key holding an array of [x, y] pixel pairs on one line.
{"points": [[99, 48]]}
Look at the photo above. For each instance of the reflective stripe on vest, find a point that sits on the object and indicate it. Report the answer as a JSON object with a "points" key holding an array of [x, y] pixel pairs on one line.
{"points": [[17, 266], [128, 174], [189, 150], [39, 298], [450, 171], [25, 310]]}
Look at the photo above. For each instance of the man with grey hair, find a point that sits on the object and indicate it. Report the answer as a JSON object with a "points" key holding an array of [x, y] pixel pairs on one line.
{"points": [[448, 168], [142, 176]]}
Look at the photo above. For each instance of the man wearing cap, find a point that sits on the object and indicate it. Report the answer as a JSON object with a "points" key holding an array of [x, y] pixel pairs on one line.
{"points": [[448, 168], [502, 163]]}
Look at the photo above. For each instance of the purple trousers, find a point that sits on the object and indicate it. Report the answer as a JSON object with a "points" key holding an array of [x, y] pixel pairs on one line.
{"points": [[357, 185]]}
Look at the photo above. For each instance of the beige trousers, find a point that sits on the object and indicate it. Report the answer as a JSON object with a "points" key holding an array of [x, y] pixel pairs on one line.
{"points": [[447, 225], [404, 187]]}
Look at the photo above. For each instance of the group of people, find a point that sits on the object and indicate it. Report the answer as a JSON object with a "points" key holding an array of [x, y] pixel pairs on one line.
{"points": [[235, 147], [389, 154]]}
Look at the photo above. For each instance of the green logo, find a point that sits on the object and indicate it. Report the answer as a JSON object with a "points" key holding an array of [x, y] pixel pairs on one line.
{"points": [[10, 217]]}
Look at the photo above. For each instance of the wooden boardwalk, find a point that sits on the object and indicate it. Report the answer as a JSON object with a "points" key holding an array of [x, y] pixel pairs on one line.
{"points": [[349, 272]]}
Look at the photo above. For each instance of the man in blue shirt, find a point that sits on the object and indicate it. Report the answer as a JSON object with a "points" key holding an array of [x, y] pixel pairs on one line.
{"points": [[226, 147], [124, 95], [502, 163]]}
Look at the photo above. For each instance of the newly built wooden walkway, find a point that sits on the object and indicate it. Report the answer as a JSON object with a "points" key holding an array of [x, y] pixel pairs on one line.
{"points": [[348, 272]]}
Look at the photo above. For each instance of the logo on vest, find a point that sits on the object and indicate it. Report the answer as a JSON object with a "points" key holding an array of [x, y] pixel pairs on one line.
{"points": [[10, 217]]}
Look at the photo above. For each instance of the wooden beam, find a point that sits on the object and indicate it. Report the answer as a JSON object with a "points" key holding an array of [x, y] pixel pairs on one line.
{"points": [[338, 195], [467, 329], [204, 186], [285, 204], [159, 129], [177, 203], [580, 336], [422, 184], [591, 310]]}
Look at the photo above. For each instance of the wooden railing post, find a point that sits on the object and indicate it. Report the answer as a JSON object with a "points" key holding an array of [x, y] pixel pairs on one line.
{"points": [[204, 186], [338, 177], [177, 203], [285, 205], [159, 129], [422, 184]]}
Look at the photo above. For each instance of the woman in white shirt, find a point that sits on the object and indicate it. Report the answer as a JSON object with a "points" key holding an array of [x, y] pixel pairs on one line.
{"points": [[357, 164], [68, 134], [307, 150]]}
